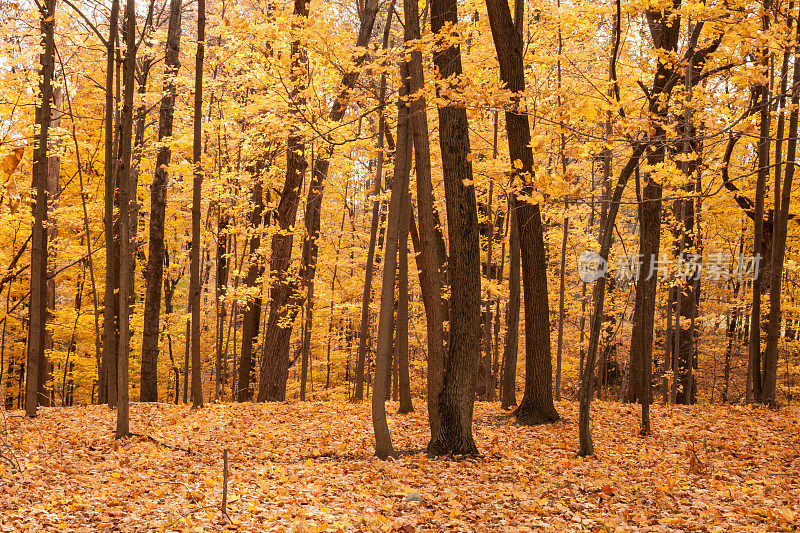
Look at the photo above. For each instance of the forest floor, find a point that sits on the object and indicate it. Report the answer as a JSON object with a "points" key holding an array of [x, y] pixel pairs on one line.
{"points": [[309, 467]]}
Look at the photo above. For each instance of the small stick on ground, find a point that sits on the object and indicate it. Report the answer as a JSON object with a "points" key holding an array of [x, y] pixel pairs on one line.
{"points": [[164, 444], [225, 483]]}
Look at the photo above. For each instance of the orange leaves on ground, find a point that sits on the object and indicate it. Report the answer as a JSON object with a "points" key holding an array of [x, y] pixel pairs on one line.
{"points": [[309, 467]]}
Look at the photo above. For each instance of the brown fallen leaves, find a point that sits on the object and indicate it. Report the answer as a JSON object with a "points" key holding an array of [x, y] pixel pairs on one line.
{"points": [[309, 467]]}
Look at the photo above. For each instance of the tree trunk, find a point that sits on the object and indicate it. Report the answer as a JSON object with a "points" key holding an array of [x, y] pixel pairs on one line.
{"points": [[197, 199], [509, 394], [38, 276], [537, 405], [561, 313], [275, 367], [399, 212], [464, 351], [108, 375], [126, 200], [781, 219], [401, 336], [252, 310], [158, 203], [431, 242]]}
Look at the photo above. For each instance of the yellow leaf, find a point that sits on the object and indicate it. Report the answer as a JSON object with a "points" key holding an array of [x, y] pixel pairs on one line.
{"points": [[518, 164]]}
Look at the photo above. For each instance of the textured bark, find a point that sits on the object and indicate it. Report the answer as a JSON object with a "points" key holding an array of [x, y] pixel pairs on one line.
{"points": [[275, 364], [537, 405], [401, 335], [509, 393], [398, 213], [457, 398], [431, 253], [770, 374], [124, 181], [38, 276], [252, 311], [108, 375], [53, 192], [561, 313], [197, 199], [158, 203]]}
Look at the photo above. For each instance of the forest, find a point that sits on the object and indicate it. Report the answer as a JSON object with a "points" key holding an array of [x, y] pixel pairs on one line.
{"points": [[399, 265]]}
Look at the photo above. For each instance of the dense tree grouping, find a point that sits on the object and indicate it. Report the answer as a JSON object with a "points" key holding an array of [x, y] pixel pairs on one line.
{"points": [[433, 200]]}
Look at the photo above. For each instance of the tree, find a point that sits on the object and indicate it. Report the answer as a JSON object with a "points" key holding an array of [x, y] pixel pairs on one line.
{"points": [[458, 392], [38, 305], [158, 204], [197, 197], [537, 405], [126, 200]]}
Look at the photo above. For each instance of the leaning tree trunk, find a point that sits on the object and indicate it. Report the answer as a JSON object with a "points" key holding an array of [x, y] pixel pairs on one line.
{"points": [[38, 304], [197, 198], [398, 213], [537, 405], [457, 398], [158, 203]]}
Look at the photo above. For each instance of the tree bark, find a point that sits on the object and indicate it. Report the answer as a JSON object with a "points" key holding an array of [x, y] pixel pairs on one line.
{"points": [[781, 219], [464, 351], [509, 393], [401, 336], [158, 203], [431, 242], [38, 276], [197, 199], [275, 369], [108, 375], [537, 405], [126, 200]]}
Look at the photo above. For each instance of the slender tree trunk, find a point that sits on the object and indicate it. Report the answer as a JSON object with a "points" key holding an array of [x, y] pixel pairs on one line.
{"points": [[781, 220], [252, 311], [561, 312], [399, 212], [464, 350], [38, 275], [197, 199], [537, 405], [108, 375], [510, 349], [126, 200], [401, 336], [763, 153], [158, 202], [431, 242]]}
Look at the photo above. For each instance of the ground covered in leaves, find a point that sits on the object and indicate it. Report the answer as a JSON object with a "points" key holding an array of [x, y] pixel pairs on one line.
{"points": [[309, 467]]}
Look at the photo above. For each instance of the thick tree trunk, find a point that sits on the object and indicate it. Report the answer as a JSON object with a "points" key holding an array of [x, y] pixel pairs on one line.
{"points": [[38, 300], [158, 203], [537, 405], [464, 351], [431, 242]]}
